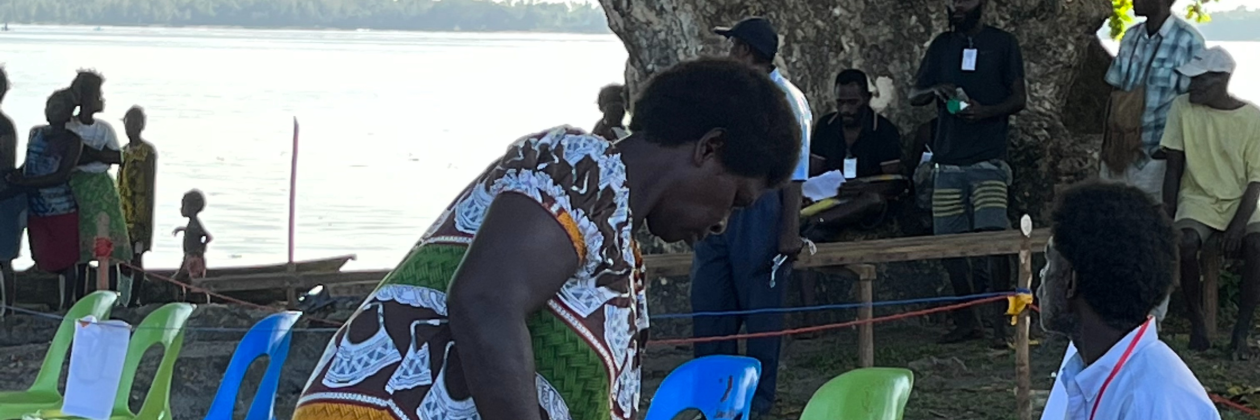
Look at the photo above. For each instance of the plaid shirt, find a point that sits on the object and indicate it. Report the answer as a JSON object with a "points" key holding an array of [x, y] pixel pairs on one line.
{"points": [[1159, 55]]}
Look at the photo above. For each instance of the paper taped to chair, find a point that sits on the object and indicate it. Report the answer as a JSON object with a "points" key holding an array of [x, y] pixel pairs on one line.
{"points": [[97, 356]]}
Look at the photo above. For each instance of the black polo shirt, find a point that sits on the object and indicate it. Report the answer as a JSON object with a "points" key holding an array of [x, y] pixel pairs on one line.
{"points": [[879, 142], [999, 64]]}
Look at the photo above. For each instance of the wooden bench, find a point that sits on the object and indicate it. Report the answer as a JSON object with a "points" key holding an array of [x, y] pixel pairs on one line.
{"points": [[675, 265]]}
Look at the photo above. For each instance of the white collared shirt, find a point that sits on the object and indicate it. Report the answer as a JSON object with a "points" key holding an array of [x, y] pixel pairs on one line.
{"points": [[800, 107], [1154, 384]]}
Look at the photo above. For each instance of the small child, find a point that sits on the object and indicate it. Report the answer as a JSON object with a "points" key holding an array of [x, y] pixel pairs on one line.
{"points": [[195, 236]]}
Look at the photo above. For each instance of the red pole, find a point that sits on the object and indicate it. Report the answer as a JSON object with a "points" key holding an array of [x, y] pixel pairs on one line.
{"points": [[293, 189]]}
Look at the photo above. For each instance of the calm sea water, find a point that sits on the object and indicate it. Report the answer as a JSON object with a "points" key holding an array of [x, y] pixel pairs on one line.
{"points": [[392, 124]]}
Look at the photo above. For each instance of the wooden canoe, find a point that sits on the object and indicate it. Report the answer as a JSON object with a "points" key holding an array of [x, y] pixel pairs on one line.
{"points": [[36, 286]]}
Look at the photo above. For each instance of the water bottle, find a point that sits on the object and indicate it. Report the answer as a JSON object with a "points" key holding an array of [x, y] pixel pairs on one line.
{"points": [[958, 102]]}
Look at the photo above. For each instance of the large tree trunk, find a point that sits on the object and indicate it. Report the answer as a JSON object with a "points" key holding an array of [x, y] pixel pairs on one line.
{"points": [[887, 39], [1064, 63]]}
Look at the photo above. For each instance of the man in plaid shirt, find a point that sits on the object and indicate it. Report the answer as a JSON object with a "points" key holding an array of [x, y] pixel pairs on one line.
{"points": [[1149, 54]]}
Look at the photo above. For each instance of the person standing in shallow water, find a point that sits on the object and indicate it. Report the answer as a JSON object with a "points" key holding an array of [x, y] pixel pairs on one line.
{"points": [[1109, 263], [94, 190], [137, 179], [526, 299]]}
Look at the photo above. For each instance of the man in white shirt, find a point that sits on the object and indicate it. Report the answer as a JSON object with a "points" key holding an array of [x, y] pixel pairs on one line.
{"points": [[747, 266], [1109, 264]]}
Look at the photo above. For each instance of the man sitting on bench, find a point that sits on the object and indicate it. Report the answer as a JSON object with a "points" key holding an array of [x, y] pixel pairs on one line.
{"points": [[861, 145], [1212, 184]]}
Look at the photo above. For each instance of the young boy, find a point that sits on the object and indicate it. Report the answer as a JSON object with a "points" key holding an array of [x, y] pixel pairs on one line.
{"points": [[136, 181], [195, 236]]}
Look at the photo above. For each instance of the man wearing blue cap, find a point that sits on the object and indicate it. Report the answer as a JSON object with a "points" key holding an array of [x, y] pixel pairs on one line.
{"points": [[747, 266]]}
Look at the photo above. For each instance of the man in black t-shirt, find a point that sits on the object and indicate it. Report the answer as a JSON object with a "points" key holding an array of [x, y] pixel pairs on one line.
{"points": [[975, 75], [855, 131], [860, 143]]}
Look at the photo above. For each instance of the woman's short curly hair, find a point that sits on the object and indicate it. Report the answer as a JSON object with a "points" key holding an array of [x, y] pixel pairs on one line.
{"points": [[1121, 246], [680, 105]]}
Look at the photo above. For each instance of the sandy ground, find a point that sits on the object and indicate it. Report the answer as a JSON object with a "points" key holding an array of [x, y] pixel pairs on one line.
{"points": [[963, 381]]}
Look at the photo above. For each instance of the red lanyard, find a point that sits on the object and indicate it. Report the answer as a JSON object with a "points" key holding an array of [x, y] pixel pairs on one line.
{"points": [[1119, 364]]}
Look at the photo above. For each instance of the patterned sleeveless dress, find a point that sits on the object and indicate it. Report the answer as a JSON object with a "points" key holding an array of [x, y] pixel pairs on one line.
{"points": [[587, 343]]}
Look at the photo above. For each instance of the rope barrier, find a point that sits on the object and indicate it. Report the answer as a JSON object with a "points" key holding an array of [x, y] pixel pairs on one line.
{"points": [[800, 309], [824, 327], [1231, 404]]}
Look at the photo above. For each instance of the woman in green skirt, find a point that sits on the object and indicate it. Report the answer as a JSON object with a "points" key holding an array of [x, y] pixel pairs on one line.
{"points": [[93, 188]]}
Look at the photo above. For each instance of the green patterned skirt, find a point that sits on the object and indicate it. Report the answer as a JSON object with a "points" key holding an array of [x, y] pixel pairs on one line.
{"points": [[95, 195], [368, 378]]}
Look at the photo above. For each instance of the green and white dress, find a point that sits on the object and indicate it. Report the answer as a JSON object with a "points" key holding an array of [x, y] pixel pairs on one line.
{"points": [[587, 342]]}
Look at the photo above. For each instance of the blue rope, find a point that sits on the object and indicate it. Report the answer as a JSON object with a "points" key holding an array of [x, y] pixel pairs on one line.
{"points": [[832, 307]]}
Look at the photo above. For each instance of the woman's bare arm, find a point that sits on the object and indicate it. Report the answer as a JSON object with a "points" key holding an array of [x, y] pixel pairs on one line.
{"points": [[519, 259]]}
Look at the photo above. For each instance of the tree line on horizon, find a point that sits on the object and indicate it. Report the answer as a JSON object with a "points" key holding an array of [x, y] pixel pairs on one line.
{"points": [[413, 15]]}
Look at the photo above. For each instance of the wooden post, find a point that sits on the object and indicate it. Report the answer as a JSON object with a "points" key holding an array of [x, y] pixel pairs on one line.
{"points": [[1211, 269], [866, 332], [102, 261], [1023, 373]]}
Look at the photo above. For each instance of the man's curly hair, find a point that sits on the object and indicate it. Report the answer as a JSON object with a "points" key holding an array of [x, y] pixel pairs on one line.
{"points": [[1121, 246]]}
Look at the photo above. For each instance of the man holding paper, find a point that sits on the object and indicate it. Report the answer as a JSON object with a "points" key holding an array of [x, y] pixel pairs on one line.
{"points": [[856, 144], [975, 75]]}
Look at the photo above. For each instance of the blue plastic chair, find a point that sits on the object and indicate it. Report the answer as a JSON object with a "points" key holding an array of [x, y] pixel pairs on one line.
{"points": [[720, 387], [269, 337]]}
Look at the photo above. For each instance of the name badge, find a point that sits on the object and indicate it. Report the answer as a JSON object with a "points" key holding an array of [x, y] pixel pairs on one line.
{"points": [[969, 59], [850, 168], [927, 157]]}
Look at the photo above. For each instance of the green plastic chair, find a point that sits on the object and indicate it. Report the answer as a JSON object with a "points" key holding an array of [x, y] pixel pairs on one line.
{"points": [[43, 394], [164, 327], [862, 394]]}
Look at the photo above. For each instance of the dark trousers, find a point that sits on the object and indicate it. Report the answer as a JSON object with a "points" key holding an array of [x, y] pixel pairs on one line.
{"points": [[731, 272]]}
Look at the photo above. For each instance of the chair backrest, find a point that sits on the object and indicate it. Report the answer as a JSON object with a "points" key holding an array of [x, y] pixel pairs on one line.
{"points": [[720, 387], [164, 327], [269, 337], [97, 304], [862, 394]]}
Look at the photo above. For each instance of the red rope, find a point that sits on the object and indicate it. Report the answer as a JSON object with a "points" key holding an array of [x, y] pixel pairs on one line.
{"points": [[217, 295], [1231, 404], [824, 327]]}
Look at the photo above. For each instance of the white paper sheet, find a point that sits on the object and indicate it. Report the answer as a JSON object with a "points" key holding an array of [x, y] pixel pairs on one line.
{"points": [[823, 186], [96, 364]]}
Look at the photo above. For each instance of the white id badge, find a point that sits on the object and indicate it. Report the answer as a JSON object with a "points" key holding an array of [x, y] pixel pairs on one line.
{"points": [[850, 168], [969, 59], [927, 157]]}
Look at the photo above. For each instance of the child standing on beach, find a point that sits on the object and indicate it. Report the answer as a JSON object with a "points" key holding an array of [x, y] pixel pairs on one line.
{"points": [[195, 236]]}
